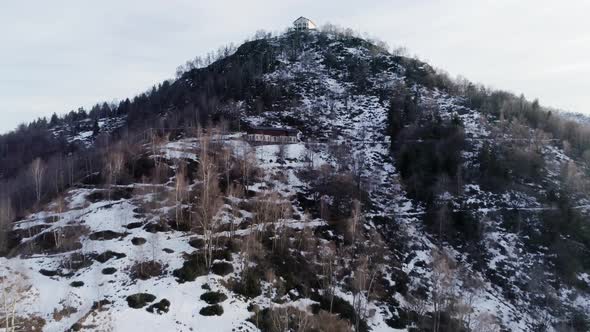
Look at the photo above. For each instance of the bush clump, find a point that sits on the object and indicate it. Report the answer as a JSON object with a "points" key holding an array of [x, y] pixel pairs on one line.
{"points": [[77, 284], [139, 300], [222, 268], [161, 307], [192, 268], [137, 241], [197, 243], [76, 261], [48, 273], [146, 270], [107, 255], [106, 235], [134, 225], [213, 297], [248, 285], [212, 310], [339, 306]]}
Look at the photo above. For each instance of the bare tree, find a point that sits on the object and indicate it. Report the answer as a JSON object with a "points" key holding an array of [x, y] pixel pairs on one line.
{"points": [[327, 322], [156, 142], [70, 162], [430, 108], [285, 212], [310, 156], [328, 263], [247, 165], [342, 154], [280, 319], [113, 168], [302, 320], [486, 322], [324, 207], [269, 214], [363, 282], [472, 287], [442, 282], [419, 305], [6, 216], [573, 180], [235, 195], [355, 219], [57, 232], [37, 172], [209, 198], [442, 217], [281, 153], [155, 245], [180, 191], [58, 173], [226, 157], [13, 290], [249, 249], [359, 165]]}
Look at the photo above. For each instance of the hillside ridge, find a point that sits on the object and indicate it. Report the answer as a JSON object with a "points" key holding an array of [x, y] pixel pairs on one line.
{"points": [[411, 202]]}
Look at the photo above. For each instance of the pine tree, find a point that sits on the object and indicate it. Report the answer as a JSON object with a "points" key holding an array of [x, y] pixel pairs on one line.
{"points": [[54, 120], [95, 128]]}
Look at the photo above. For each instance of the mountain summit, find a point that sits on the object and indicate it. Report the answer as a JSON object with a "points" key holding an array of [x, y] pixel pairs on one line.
{"points": [[310, 181]]}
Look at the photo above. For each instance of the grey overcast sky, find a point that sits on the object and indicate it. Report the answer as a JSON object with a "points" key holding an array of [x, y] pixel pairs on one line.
{"points": [[61, 54]]}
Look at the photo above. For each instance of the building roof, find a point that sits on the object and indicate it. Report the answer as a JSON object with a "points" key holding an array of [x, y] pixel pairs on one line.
{"points": [[290, 130], [305, 18], [301, 17]]}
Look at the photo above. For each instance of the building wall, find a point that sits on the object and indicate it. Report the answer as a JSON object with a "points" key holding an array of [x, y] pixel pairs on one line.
{"points": [[274, 132], [300, 26], [303, 24], [271, 139]]}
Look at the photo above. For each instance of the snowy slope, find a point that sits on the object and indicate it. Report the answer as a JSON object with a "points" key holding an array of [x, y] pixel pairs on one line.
{"points": [[333, 113]]}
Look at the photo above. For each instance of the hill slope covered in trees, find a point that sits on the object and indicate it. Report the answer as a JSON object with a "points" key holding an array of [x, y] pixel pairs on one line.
{"points": [[412, 202]]}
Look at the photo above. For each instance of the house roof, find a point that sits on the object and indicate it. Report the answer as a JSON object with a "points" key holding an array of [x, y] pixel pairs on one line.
{"points": [[305, 18], [290, 130]]}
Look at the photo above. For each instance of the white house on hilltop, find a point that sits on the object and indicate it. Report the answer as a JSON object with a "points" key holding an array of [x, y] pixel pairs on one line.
{"points": [[304, 24]]}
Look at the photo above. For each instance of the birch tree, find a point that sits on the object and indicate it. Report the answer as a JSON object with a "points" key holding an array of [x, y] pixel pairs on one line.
{"points": [[473, 286], [209, 199], [13, 290], [114, 163], [355, 219], [328, 264], [442, 282], [180, 191], [226, 157], [37, 173], [247, 165]]}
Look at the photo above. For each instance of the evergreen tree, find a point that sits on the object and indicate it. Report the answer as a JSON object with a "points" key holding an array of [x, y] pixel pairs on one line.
{"points": [[54, 120], [95, 128]]}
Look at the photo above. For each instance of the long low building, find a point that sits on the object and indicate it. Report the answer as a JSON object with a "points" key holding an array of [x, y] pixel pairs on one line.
{"points": [[272, 135]]}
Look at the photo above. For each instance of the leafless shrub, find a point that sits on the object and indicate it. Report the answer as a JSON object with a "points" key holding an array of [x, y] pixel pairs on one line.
{"points": [[14, 289], [146, 270]]}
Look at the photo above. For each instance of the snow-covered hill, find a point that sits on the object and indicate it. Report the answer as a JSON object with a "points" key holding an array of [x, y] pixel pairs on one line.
{"points": [[290, 250]]}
